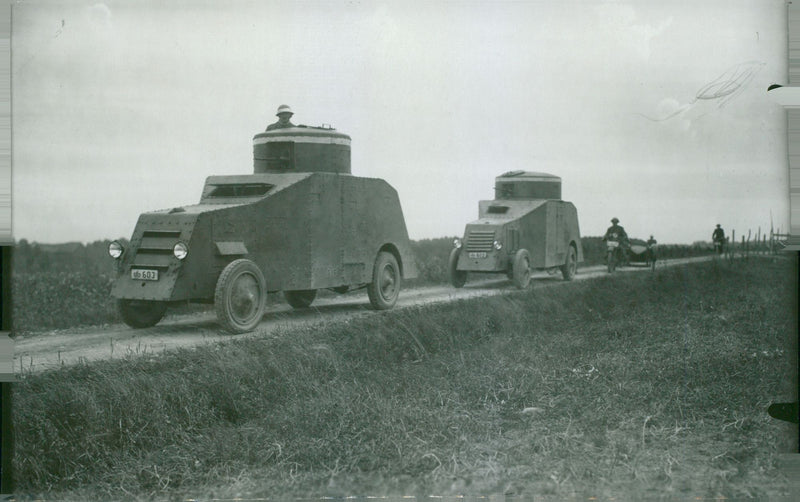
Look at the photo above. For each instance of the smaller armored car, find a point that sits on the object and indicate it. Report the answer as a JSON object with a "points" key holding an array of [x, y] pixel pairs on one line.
{"points": [[526, 227], [300, 223]]}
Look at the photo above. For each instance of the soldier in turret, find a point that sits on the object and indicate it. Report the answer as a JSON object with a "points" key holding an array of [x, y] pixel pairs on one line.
{"points": [[284, 118]]}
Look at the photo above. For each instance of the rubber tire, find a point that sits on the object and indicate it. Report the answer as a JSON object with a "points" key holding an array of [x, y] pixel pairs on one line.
{"points": [[237, 275], [301, 298], [612, 262], [570, 266], [386, 280], [652, 261], [141, 313], [457, 277], [522, 269]]}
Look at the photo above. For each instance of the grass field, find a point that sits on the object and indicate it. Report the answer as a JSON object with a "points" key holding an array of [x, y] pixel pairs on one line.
{"points": [[625, 386]]}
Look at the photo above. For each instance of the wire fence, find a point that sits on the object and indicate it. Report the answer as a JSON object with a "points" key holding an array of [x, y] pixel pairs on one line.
{"points": [[754, 243]]}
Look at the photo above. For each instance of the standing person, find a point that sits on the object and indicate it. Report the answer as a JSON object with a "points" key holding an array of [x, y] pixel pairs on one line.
{"points": [[284, 118], [651, 249], [719, 238]]}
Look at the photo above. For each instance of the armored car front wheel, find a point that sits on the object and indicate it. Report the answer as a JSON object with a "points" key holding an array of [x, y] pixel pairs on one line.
{"points": [[457, 277], [240, 296], [300, 299], [141, 313], [385, 286], [522, 269]]}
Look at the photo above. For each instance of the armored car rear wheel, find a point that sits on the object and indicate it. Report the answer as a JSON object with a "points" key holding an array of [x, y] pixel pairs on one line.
{"points": [[385, 286], [457, 277], [240, 296], [300, 299], [570, 266], [141, 313], [522, 269]]}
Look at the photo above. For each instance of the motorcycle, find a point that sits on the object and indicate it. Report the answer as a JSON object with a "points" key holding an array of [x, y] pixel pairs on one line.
{"points": [[718, 245], [615, 254]]}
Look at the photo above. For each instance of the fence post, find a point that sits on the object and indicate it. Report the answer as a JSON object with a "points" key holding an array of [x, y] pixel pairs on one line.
{"points": [[732, 245], [758, 239]]}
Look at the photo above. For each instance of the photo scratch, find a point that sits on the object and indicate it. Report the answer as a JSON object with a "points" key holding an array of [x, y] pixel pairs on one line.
{"points": [[721, 90]]}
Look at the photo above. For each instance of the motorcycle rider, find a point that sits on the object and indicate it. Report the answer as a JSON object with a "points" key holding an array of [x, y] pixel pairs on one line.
{"points": [[718, 237], [617, 233]]}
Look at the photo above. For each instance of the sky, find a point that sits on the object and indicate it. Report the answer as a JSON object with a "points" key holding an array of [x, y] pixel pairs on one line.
{"points": [[655, 112]]}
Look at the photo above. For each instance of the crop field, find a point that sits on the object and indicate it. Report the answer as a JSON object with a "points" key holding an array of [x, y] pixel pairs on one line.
{"points": [[63, 286], [630, 386]]}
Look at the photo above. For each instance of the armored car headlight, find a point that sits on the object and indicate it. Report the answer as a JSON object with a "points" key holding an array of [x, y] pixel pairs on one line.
{"points": [[180, 250], [497, 245], [457, 243], [115, 249]]}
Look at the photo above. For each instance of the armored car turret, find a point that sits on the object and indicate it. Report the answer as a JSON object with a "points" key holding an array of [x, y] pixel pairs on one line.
{"points": [[526, 227], [300, 223]]}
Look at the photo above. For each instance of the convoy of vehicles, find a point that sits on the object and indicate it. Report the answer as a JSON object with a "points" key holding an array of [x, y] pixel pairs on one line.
{"points": [[302, 223]]}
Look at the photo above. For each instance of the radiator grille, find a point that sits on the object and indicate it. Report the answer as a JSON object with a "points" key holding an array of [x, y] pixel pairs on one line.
{"points": [[155, 250], [480, 240]]}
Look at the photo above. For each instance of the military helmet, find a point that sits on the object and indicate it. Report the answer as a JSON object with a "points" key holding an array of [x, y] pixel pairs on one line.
{"points": [[284, 109], [614, 220], [718, 225]]}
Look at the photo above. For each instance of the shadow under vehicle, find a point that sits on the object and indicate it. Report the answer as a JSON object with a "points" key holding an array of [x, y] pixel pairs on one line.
{"points": [[300, 223], [527, 226]]}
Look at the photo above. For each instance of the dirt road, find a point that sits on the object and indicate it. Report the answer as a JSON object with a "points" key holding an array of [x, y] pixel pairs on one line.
{"points": [[40, 351]]}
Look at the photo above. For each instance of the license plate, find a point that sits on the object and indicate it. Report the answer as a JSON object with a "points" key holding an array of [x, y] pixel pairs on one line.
{"points": [[140, 274], [613, 244], [477, 255]]}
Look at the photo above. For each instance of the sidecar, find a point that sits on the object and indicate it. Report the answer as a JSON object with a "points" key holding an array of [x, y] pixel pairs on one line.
{"points": [[640, 253]]}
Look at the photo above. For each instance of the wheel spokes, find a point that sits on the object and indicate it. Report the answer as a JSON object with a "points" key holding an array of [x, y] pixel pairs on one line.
{"points": [[388, 282], [245, 297]]}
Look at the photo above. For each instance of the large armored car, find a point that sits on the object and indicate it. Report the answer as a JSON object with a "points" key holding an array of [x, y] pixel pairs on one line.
{"points": [[526, 227], [300, 223]]}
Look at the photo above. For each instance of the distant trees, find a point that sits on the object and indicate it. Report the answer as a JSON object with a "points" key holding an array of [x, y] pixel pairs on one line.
{"points": [[31, 258]]}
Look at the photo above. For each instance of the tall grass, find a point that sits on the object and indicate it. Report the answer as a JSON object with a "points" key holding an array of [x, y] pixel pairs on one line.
{"points": [[623, 386]]}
